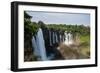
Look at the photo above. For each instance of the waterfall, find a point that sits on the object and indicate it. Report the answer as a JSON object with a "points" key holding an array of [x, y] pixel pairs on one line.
{"points": [[60, 38], [66, 38], [56, 37], [39, 45], [35, 48], [70, 38], [53, 34]]}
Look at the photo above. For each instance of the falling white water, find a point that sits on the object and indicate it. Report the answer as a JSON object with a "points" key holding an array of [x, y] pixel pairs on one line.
{"points": [[53, 38], [41, 45], [56, 37], [68, 38], [35, 48], [60, 38]]}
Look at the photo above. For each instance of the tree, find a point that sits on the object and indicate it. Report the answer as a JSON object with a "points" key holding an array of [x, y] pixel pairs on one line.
{"points": [[27, 16], [42, 25]]}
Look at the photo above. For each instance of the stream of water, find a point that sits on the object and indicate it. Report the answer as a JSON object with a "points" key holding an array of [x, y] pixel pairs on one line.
{"points": [[38, 43]]}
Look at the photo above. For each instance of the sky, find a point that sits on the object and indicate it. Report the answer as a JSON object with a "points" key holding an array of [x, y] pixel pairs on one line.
{"points": [[60, 17]]}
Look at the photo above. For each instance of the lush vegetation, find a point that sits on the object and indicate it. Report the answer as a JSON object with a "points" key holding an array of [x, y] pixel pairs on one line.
{"points": [[31, 28]]}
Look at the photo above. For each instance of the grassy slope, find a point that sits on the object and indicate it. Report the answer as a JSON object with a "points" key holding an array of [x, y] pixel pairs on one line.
{"points": [[84, 47]]}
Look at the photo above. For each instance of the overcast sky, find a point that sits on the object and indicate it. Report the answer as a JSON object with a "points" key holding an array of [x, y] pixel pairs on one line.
{"points": [[60, 18]]}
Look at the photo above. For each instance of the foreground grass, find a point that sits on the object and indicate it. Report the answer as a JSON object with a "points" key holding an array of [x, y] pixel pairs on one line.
{"points": [[84, 47]]}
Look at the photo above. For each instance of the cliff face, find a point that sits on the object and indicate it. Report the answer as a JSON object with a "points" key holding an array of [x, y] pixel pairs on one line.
{"points": [[28, 33], [27, 46]]}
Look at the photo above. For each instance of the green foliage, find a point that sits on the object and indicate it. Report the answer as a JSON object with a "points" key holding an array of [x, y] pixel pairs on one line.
{"points": [[32, 27], [81, 29], [85, 39], [26, 15]]}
